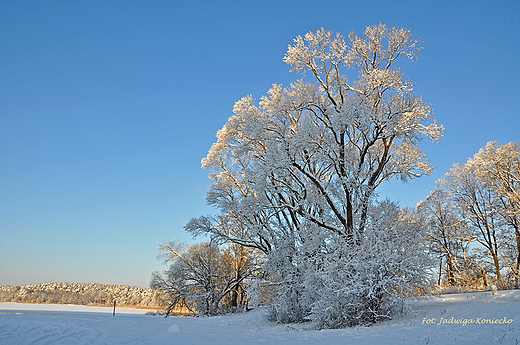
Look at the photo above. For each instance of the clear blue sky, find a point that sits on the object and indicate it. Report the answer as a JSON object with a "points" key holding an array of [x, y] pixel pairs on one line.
{"points": [[107, 108]]}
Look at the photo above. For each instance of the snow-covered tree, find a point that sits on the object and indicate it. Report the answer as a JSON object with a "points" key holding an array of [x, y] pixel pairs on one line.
{"points": [[298, 172], [486, 191], [320, 149], [478, 204], [447, 235], [501, 166]]}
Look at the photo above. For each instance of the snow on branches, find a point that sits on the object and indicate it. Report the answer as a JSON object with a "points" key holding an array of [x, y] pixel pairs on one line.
{"points": [[297, 173]]}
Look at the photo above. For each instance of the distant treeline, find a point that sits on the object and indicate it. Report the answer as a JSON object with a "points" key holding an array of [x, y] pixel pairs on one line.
{"points": [[82, 294]]}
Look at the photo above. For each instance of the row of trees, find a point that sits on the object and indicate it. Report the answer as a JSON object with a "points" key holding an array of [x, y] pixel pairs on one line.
{"points": [[83, 294], [474, 219], [294, 179]]}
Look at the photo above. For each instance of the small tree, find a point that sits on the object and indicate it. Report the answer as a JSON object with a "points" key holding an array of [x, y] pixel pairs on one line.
{"points": [[204, 278], [478, 203], [447, 235]]}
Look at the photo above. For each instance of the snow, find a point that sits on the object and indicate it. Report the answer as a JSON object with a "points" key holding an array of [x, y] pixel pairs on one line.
{"points": [[65, 324], [175, 328]]}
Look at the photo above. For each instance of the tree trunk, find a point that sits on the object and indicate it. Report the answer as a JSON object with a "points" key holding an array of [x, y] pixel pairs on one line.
{"points": [[484, 277], [517, 258], [440, 272], [497, 267], [451, 269]]}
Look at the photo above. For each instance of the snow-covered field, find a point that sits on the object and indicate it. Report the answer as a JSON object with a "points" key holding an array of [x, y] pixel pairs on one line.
{"points": [[431, 323]]}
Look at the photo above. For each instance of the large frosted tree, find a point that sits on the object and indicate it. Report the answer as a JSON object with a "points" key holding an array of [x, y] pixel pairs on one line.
{"points": [[299, 170]]}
